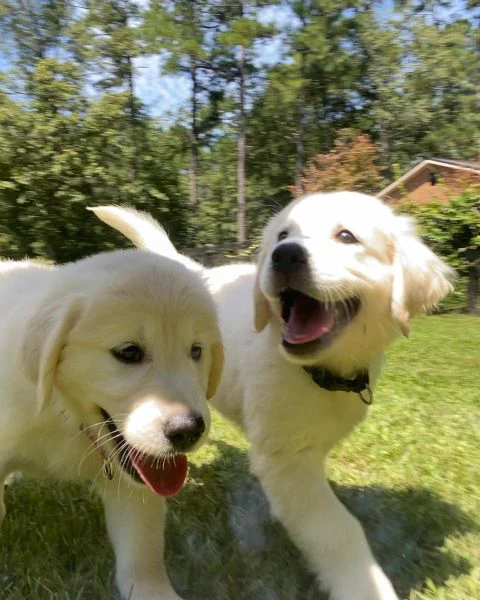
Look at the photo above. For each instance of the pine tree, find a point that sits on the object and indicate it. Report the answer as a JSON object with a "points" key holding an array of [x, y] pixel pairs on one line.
{"points": [[236, 45], [185, 31]]}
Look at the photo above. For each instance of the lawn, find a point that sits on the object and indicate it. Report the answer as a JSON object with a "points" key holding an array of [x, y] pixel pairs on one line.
{"points": [[410, 473]]}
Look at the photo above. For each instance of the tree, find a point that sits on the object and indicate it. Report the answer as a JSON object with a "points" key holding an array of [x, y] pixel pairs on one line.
{"points": [[35, 28], [185, 31], [236, 52], [352, 164], [419, 86], [318, 89], [321, 68], [43, 155], [110, 41], [380, 82], [215, 221], [61, 151]]}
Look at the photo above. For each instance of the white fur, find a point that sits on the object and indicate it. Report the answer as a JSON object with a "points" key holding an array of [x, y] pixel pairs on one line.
{"points": [[59, 325], [292, 423]]}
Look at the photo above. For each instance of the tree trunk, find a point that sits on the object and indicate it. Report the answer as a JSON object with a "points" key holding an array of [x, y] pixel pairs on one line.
{"points": [[301, 118], [478, 66], [133, 122], [194, 138], [241, 227]]}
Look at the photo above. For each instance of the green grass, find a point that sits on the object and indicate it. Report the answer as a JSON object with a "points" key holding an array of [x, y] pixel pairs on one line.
{"points": [[410, 473]]}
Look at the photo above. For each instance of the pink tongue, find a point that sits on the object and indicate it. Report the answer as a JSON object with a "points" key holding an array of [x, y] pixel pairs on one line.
{"points": [[164, 476], [308, 321]]}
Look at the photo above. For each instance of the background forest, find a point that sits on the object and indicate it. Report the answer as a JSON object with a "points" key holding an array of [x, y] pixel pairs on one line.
{"points": [[270, 86]]}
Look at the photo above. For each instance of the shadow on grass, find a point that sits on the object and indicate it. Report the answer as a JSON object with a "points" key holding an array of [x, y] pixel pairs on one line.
{"points": [[245, 554], [222, 542], [407, 529]]}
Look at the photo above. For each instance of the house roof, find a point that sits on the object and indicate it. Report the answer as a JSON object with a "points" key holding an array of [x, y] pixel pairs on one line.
{"points": [[461, 165]]}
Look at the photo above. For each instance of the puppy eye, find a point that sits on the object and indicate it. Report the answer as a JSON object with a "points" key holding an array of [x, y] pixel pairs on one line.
{"points": [[346, 237], [282, 235], [128, 353], [196, 352]]}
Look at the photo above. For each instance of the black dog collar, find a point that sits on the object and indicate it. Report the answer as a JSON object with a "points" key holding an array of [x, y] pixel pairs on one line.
{"points": [[334, 383]]}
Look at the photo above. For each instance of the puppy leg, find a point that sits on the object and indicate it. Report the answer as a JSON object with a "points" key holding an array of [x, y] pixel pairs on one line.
{"points": [[331, 538], [135, 522]]}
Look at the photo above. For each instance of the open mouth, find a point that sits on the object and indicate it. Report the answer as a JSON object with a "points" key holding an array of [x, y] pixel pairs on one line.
{"points": [[165, 475], [310, 322]]}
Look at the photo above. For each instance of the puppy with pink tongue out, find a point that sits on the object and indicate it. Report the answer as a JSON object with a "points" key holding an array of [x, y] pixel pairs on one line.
{"points": [[110, 365]]}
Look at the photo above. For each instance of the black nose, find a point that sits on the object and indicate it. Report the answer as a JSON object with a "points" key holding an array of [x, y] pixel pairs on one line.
{"points": [[183, 431], [289, 257]]}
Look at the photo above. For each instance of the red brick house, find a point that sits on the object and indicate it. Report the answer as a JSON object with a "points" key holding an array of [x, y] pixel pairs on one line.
{"points": [[429, 179]]}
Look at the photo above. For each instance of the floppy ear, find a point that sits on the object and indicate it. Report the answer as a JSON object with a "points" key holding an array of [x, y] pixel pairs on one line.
{"points": [[216, 369], [420, 278], [44, 341], [262, 309]]}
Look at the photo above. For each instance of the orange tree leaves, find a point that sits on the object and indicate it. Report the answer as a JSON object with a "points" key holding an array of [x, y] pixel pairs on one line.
{"points": [[350, 165]]}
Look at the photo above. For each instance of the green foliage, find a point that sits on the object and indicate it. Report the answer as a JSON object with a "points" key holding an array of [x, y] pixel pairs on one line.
{"points": [[453, 228], [111, 40], [421, 80], [218, 190], [61, 151], [178, 28]]}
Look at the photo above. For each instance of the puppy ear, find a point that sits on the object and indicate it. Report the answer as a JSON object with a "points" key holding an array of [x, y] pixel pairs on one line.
{"points": [[420, 278], [216, 369], [262, 309], [43, 344]]}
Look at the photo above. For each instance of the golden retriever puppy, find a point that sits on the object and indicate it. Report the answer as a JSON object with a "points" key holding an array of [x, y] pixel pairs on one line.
{"points": [[110, 361], [339, 276]]}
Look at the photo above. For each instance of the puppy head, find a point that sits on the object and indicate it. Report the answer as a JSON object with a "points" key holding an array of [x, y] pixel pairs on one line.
{"points": [[136, 364], [340, 273]]}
